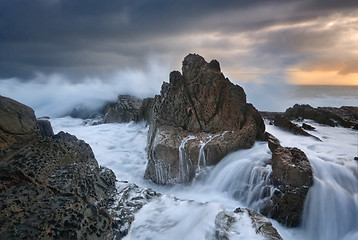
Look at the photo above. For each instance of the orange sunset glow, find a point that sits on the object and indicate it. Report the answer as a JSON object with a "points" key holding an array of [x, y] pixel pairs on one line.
{"points": [[321, 78]]}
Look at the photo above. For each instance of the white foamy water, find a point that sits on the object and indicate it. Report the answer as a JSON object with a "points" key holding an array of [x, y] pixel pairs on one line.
{"points": [[120, 147], [331, 209]]}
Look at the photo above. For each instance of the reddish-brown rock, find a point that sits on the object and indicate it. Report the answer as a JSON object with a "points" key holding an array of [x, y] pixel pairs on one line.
{"points": [[198, 118], [292, 176]]}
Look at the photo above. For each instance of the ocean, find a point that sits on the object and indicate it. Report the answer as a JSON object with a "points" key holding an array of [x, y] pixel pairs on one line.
{"points": [[188, 211], [277, 98]]}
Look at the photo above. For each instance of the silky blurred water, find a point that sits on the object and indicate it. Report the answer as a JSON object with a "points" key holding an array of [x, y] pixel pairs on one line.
{"points": [[188, 211]]}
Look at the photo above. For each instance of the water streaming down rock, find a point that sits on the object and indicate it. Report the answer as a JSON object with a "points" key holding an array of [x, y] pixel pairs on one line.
{"points": [[200, 101], [185, 162], [202, 156], [332, 167], [331, 206], [244, 175]]}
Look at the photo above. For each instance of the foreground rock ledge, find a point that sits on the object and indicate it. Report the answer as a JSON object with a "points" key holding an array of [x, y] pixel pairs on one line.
{"points": [[51, 186], [198, 118]]}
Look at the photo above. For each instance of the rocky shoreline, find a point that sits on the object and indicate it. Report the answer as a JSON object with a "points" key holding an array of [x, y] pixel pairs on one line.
{"points": [[181, 141], [191, 127], [52, 187]]}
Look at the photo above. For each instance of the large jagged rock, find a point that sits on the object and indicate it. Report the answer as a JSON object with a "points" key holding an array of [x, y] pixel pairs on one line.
{"points": [[199, 117], [292, 176], [345, 116], [51, 186]]}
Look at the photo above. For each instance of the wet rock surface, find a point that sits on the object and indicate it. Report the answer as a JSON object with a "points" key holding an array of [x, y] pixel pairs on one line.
{"points": [[197, 108], [283, 122], [226, 219], [128, 108], [129, 201], [292, 176], [51, 185], [345, 116], [308, 127]]}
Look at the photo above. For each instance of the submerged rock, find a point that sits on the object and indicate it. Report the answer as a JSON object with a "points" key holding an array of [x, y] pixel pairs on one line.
{"points": [[283, 122], [129, 201], [51, 185], [292, 176], [160, 216], [198, 118], [308, 127], [225, 221]]}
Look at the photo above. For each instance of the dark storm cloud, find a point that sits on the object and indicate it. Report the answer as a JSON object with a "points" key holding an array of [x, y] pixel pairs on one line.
{"points": [[93, 38], [50, 35]]}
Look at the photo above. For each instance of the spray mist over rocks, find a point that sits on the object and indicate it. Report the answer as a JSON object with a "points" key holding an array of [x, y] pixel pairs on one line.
{"points": [[56, 95]]}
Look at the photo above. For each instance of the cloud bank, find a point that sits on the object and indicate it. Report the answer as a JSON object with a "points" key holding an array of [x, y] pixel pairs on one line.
{"points": [[88, 38], [56, 95]]}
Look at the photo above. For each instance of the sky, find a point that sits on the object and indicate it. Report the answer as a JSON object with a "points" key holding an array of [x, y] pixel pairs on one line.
{"points": [[135, 44]]}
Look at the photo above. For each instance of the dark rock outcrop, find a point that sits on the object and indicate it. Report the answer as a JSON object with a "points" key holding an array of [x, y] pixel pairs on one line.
{"points": [[128, 108], [283, 122], [308, 127], [17, 123], [292, 176], [345, 116], [130, 200], [51, 186], [262, 226], [146, 110], [45, 127], [198, 118], [125, 110]]}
